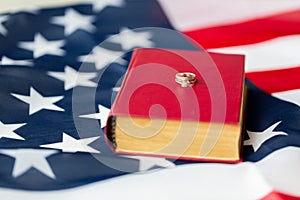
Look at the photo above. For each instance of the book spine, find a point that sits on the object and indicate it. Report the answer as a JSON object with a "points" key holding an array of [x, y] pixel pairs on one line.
{"points": [[110, 132]]}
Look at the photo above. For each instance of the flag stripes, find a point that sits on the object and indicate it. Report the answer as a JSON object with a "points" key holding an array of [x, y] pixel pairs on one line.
{"points": [[249, 32]]}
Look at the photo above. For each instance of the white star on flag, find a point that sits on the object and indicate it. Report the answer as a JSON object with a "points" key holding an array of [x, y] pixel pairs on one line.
{"points": [[38, 102], [7, 61], [256, 139], [102, 115], [116, 89], [146, 163], [73, 78], [7, 131], [41, 46], [72, 145], [102, 57], [3, 30], [73, 20], [100, 5], [25, 159], [128, 39]]}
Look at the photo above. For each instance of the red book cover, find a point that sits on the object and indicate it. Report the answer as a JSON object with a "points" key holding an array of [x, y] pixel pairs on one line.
{"points": [[149, 91]]}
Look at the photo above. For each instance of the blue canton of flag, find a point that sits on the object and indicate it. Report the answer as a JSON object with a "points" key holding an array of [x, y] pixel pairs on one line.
{"points": [[41, 53], [271, 123]]}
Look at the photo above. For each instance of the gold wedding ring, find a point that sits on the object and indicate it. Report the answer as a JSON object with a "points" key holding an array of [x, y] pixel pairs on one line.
{"points": [[186, 79]]}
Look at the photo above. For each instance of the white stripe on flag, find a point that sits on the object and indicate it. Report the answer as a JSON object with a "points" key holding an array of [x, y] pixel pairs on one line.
{"points": [[186, 15], [193, 181], [290, 95], [278, 53]]}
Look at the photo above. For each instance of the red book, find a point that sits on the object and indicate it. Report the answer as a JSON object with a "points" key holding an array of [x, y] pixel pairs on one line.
{"points": [[199, 119]]}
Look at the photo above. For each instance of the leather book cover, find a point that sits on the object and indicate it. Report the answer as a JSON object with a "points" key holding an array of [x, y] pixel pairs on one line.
{"points": [[155, 115]]}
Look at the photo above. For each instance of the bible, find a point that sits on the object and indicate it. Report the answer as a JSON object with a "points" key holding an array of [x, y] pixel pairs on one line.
{"points": [[180, 104]]}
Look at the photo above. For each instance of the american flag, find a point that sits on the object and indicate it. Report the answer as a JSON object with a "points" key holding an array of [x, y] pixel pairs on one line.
{"points": [[58, 84]]}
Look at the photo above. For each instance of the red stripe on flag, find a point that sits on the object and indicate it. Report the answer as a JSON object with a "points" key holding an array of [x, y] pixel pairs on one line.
{"points": [[249, 32], [279, 196], [276, 80]]}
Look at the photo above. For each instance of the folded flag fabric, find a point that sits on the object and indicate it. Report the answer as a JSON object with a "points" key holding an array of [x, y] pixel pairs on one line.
{"points": [[57, 85]]}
